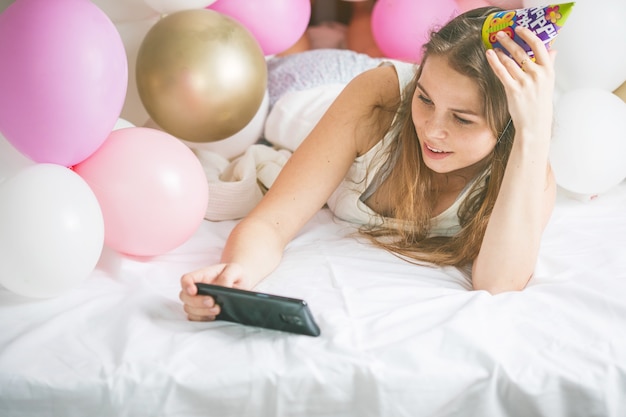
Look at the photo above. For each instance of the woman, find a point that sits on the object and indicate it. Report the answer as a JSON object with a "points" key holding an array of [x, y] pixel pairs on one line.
{"points": [[447, 166]]}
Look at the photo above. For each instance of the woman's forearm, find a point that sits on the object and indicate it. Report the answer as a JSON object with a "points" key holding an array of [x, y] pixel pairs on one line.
{"points": [[510, 247], [254, 245]]}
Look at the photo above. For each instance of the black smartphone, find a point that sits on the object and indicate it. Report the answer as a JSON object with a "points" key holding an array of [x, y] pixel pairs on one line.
{"points": [[262, 310]]}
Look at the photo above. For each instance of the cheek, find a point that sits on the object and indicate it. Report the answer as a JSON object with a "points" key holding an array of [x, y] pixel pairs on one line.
{"points": [[418, 116], [479, 147]]}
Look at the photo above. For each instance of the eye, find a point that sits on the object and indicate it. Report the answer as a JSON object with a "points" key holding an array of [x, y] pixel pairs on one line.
{"points": [[462, 121], [424, 99]]}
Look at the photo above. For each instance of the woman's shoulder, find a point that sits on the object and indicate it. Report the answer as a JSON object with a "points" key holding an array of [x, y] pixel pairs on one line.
{"points": [[374, 96], [379, 84]]}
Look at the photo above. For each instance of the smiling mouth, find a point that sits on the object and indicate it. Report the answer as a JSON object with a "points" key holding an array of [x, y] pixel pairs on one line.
{"points": [[435, 150]]}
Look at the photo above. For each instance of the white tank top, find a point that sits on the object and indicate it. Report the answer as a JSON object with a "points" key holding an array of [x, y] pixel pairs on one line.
{"points": [[346, 202]]}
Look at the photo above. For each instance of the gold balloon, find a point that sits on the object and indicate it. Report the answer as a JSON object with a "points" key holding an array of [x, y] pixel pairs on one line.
{"points": [[201, 75], [621, 91]]}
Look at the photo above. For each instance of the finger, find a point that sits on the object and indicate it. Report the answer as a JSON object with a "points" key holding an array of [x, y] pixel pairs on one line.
{"points": [[188, 281], [496, 65], [552, 53], [199, 301], [516, 52], [202, 311], [502, 65], [230, 276], [513, 67], [539, 49], [193, 317]]}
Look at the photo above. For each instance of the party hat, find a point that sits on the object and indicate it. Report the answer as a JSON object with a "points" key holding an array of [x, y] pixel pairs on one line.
{"points": [[545, 22]]}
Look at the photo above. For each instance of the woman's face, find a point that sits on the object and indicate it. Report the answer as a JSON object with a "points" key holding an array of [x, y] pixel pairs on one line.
{"points": [[447, 113]]}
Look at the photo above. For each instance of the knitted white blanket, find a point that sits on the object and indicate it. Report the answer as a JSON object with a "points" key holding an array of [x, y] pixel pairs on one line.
{"points": [[235, 187]]}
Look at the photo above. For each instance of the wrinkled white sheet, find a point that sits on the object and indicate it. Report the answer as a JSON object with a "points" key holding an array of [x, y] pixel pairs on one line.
{"points": [[397, 339]]}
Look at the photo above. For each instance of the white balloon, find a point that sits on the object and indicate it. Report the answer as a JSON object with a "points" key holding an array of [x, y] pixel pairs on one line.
{"points": [[11, 160], [591, 47], [588, 150], [237, 144], [170, 6], [124, 10], [51, 231], [132, 34], [122, 124]]}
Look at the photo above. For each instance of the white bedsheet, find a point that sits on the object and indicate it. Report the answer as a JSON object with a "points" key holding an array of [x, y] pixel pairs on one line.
{"points": [[397, 339]]}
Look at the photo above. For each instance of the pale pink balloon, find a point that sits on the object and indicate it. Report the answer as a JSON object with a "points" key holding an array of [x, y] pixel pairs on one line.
{"points": [[401, 27], [465, 5], [512, 4], [275, 24], [63, 78], [151, 187]]}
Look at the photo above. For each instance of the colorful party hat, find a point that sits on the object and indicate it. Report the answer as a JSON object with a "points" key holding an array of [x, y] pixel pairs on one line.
{"points": [[545, 22]]}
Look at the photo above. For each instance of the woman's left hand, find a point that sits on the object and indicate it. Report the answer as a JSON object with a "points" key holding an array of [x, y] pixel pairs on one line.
{"points": [[510, 247], [529, 84]]}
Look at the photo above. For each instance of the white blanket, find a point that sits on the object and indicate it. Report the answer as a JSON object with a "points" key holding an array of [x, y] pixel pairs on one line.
{"points": [[397, 339], [235, 187]]}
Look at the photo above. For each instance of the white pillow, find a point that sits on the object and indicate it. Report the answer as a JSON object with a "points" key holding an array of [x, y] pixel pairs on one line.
{"points": [[308, 69], [296, 113]]}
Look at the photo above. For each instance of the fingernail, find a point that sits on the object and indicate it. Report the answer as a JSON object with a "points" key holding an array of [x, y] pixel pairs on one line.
{"points": [[208, 302], [501, 35]]}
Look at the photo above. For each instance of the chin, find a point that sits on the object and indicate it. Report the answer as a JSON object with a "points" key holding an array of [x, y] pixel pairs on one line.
{"points": [[438, 169]]}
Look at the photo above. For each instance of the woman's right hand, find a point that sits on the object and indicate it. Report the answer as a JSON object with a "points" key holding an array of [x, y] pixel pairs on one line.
{"points": [[203, 307], [315, 169]]}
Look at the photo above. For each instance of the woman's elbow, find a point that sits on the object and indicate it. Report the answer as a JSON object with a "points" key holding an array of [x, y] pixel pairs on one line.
{"points": [[498, 285], [498, 288]]}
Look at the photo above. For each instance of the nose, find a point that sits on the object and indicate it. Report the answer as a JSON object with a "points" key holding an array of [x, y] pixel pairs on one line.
{"points": [[435, 126]]}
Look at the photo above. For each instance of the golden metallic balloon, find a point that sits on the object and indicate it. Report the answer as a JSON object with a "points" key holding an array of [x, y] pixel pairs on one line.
{"points": [[201, 75], [621, 91]]}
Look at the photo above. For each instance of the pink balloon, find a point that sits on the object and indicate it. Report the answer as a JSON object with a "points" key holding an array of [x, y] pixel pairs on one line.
{"points": [[465, 5], [512, 4], [63, 78], [275, 24], [151, 187], [402, 27]]}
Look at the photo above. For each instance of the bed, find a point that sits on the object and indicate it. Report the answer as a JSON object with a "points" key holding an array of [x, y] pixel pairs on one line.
{"points": [[396, 339]]}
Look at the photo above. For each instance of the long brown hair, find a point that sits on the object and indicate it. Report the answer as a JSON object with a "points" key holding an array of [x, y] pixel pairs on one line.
{"points": [[460, 43]]}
